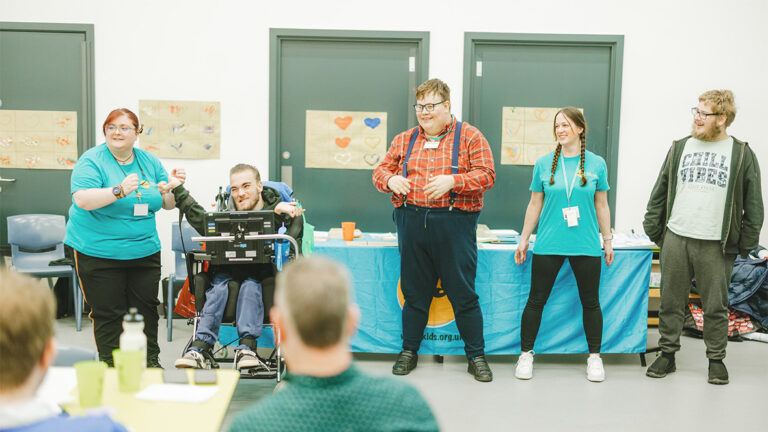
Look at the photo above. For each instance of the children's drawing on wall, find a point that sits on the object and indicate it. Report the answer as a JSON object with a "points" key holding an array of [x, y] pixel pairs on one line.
{"points": [[38, 139], [345, 139], [181, 129], [526, 134]]}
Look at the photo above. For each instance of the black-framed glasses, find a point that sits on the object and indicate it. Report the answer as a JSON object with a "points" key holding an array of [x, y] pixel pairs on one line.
{"points": [[427, 107], [696, 113]]}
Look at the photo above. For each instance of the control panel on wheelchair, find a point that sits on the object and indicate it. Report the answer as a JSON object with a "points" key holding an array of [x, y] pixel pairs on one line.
{"points": [[241, 237]]}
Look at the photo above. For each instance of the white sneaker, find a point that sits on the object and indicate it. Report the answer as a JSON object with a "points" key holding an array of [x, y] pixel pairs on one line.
{"points": [[595, 370], [191, 359], [246, 359], [524, 369]]}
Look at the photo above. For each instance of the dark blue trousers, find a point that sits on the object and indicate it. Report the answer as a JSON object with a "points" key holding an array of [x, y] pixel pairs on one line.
{"points": [[437, 244]]}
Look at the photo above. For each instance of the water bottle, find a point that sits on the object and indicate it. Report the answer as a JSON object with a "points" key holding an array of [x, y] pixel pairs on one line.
{"points": [[282, 250], [133, 337]]}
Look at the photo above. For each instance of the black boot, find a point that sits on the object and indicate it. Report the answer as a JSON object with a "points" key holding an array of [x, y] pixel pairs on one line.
{"points": [[405, 363]]}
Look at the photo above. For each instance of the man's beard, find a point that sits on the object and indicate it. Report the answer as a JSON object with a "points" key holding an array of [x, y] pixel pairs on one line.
{"points": [[709, 134]]}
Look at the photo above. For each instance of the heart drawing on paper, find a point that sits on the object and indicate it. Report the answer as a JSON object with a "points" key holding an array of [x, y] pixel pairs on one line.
{"points": [[371, 158], [372, 122], [343, 122], [343, 142], [513, 127], [343, 158], [540, 113], [372, 141]]}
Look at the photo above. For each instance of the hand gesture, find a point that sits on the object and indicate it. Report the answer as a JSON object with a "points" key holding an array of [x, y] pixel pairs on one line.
{"points": [[288, 208], [399, 185], [439, 186], [180, 174], [608, 245], [177, 178], [130, 184], [521, 252]]}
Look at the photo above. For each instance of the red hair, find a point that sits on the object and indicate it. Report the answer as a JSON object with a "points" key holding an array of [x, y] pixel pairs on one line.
{"points": [[119, 112]]}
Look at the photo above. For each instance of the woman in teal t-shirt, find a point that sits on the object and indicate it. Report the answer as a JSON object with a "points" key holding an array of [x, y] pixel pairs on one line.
{"points": [[116, 190], [569, 202]]}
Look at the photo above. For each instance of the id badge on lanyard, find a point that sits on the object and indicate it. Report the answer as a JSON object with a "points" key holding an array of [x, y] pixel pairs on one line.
{"points": [[570, 214]]}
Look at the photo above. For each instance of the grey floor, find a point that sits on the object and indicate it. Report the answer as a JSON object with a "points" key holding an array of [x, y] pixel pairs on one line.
{"points": [[558, 397]]}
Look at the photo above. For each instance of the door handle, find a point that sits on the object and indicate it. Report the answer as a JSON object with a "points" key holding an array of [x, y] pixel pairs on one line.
{"points": [[7, 180]]}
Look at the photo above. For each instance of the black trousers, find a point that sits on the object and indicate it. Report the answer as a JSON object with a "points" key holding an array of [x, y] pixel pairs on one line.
{"points": [[437, 244], [112, 286], [544, 269]]}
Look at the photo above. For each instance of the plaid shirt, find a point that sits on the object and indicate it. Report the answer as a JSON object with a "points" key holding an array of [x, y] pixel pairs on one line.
{"points": [[475, 175]]}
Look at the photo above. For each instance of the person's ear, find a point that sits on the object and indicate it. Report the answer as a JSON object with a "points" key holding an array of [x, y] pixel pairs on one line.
{"points": [[278, 321], [49, 355], [721, 119], [353, 320]]}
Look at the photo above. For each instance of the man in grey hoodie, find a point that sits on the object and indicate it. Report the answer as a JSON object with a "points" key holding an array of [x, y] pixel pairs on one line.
{"points": [[705, 208]]}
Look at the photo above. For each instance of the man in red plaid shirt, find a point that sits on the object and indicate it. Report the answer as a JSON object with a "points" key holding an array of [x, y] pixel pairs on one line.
{"points": [[437, 203]]}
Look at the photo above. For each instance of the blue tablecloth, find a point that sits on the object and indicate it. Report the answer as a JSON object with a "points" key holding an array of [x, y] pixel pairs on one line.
{"points": [[503, 289]]}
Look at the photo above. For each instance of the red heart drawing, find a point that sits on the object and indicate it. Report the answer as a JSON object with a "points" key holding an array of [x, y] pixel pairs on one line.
{"points": [[343, 122], [343, 142]]}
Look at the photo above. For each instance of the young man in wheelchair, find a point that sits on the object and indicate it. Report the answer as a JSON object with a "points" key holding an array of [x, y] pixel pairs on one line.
{"points": [[247, 194]]}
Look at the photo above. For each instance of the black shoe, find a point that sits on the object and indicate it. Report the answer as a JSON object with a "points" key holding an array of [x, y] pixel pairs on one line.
{"points": [[661, 367], [718, 374], [480, 369], [154, 362], [405, 363]]}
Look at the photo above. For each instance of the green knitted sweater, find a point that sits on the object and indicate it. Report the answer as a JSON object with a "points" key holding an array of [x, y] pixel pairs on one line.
{"points": [[350, 401]]}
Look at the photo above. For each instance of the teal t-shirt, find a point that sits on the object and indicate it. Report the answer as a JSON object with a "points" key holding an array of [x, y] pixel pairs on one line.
{"points": [[113, 231], [554, 237]]}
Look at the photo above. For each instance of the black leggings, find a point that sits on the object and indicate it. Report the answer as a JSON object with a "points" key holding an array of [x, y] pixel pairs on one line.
{"points": [[112, 286], [544, 269]]}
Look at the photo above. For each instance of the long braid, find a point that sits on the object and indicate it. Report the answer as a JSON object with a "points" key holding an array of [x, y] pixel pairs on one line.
{"points": [[554, 163], [581, 160]]}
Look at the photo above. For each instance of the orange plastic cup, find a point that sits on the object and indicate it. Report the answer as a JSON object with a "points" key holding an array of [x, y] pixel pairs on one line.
{"points": [[348, 230]]}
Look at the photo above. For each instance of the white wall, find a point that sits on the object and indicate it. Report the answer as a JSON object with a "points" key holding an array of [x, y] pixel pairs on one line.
{"points": [[219, 50]]}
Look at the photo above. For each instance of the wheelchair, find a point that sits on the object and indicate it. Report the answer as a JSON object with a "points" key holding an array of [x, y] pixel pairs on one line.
{"points": [[272, 366]]}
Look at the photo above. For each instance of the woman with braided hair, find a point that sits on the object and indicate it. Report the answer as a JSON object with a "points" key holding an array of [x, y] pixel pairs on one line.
{"points": [[569, 202]]}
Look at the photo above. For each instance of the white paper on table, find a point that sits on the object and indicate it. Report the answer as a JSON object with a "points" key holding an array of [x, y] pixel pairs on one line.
{"points": [[631, 241], [504, 232], [177, 393], [503, 246], [383, 236], [58, 385], [321, 235]]}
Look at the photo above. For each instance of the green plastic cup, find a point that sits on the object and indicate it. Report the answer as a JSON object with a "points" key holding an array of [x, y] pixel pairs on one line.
{"points": [[90, 382], [130, 367]]}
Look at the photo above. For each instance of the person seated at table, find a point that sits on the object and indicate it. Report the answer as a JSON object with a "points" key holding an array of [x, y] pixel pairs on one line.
{"points": [[247, 194], [27, 311], [323, 390]]}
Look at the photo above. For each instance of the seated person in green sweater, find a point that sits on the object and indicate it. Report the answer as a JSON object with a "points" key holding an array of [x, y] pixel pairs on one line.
{"points": [[323, 390]]}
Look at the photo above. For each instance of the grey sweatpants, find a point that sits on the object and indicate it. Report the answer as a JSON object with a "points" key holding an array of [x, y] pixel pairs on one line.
{"points": [[682, 259]]}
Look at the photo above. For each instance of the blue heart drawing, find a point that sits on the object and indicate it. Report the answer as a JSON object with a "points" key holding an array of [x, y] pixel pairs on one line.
{"points": [[372, 122]]}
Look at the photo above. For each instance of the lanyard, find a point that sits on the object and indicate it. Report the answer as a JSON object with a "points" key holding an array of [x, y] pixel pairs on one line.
{"points": [[143, 183], [137, 163], [568, 190]]}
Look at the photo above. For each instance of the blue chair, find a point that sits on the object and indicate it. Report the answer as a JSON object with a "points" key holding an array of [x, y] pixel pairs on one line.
{"points": [[179, 275], [36, 240]]}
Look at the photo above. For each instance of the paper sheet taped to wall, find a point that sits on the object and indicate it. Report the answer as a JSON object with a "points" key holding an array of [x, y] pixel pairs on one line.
{"points": [[38, 139], [526, 134], [181, 129], [345, 139]]}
